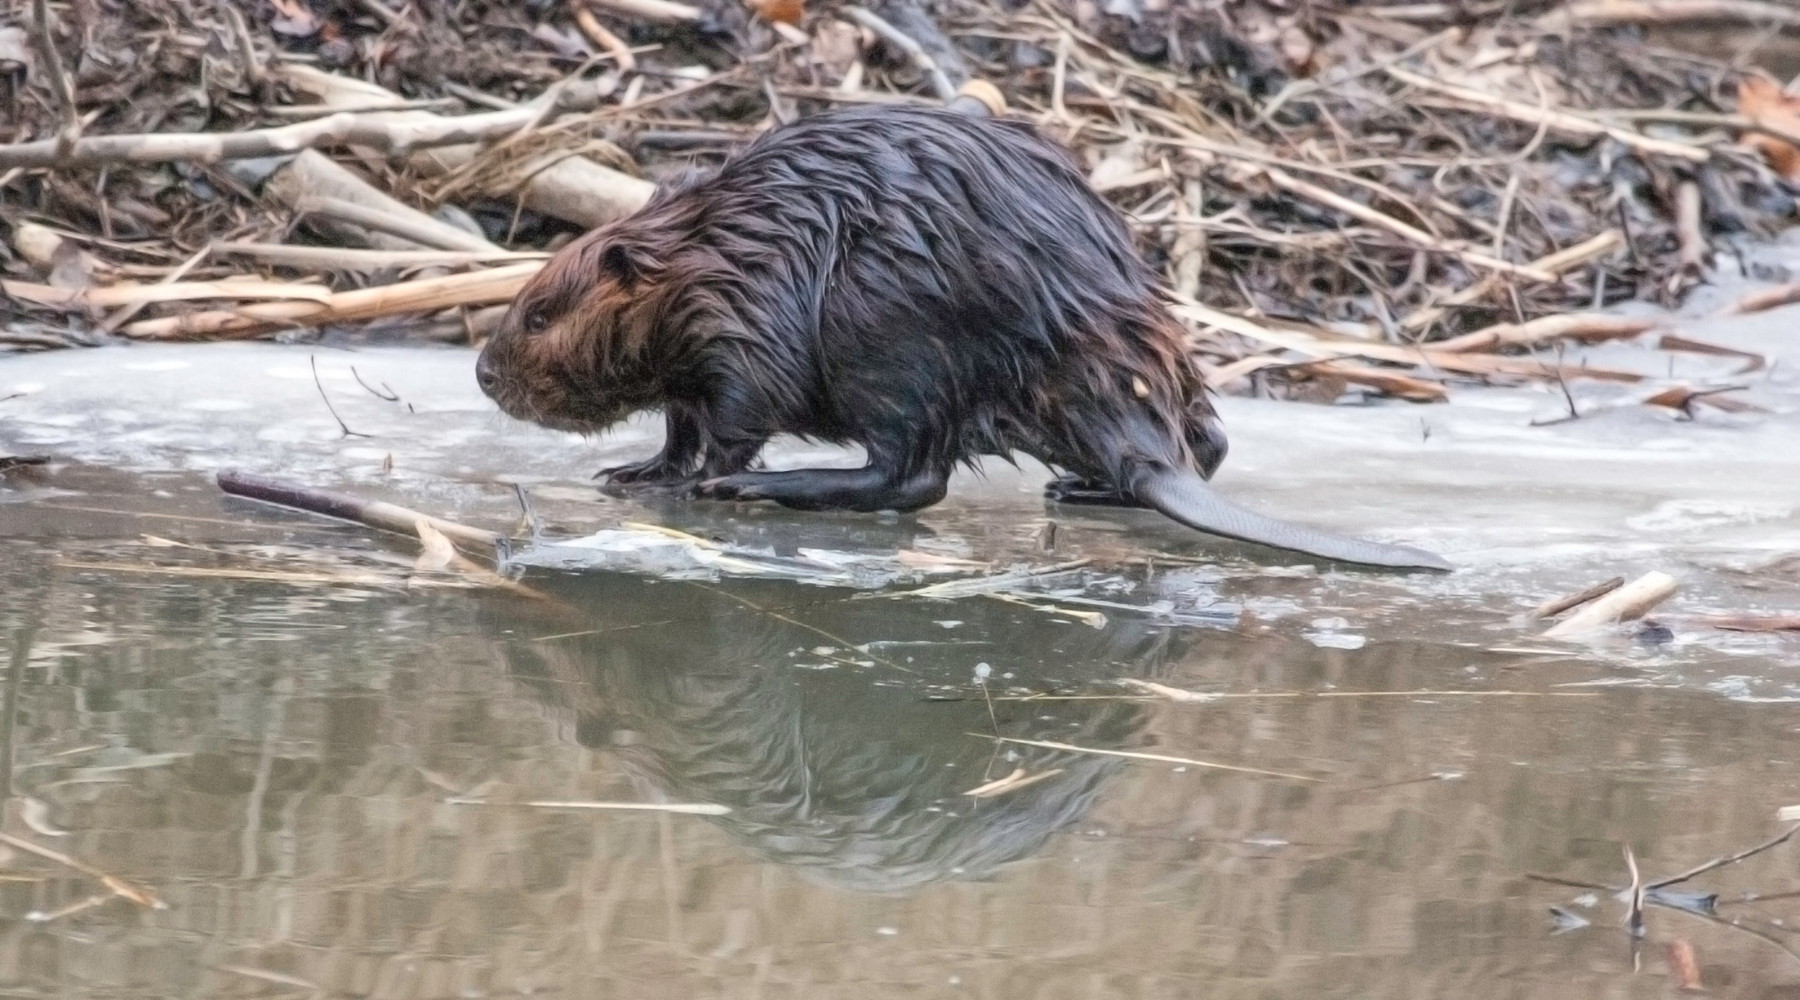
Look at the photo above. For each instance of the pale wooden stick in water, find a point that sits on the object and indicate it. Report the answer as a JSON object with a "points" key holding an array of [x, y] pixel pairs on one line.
{"points": [[374, 513], [1011, 783], [1071, 748], [686, 808], [1631, 601], [119, 886]]}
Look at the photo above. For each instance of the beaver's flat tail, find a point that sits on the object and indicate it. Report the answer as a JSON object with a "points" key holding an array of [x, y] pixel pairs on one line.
{"points": [[1183, 495]]}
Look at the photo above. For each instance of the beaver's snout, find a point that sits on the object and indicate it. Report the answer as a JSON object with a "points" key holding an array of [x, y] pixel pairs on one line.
{"points": [[486, 376]]}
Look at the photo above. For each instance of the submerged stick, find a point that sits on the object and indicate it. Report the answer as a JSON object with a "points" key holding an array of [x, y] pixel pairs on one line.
{"points": [[1129, 755], [119, 886], [687, 808], [374, 513], [1631, 601]]}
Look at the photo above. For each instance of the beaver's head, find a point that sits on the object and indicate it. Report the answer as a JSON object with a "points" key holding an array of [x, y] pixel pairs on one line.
{"points": [[578, 349]]}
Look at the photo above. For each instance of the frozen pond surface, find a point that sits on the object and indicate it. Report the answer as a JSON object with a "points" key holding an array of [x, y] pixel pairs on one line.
{"points": [[1527, 512], [343, 779]]}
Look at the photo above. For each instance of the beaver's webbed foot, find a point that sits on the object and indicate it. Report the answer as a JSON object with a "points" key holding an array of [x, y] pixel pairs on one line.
{"points": [[660, 470], [1073, 489]]}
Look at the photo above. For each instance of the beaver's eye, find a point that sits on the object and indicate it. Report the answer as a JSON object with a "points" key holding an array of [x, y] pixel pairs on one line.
{"points": [[536, 321]]}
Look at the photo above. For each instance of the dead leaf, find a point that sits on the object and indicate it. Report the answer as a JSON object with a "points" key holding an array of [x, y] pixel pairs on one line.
{"points": [[293, 18], [1761, 100], [778, 11], [1686, 397], [1684, 967]]}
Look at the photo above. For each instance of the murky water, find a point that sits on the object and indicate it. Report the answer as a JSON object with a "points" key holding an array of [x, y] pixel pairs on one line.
{"points": [[338, 785]]}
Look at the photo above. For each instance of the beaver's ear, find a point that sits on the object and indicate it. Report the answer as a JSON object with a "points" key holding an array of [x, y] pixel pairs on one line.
{"points": [[624, 264]]}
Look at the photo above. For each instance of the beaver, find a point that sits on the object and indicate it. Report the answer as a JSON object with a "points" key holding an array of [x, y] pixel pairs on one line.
{"points": [[931, 285]]}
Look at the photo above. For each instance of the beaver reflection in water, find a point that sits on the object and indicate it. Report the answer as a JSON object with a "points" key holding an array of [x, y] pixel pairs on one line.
{"points": [[932, 286], [848, 775]]}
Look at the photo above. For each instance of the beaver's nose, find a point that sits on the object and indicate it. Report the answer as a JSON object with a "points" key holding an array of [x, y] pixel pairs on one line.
{"points": [[485, 376]]}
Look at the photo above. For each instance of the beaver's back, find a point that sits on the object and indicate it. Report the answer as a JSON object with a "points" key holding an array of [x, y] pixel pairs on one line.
{"points": [[954, 273]]}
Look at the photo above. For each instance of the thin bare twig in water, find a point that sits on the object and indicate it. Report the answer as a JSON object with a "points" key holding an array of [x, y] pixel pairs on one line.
{"points": [[21, 655], [528, 513], [40, 917], [334, 413], [1730, 859], [840, 640], [386, 395], [119, 886], [1634, 905], [981, 676], [1571, 883], [1129, 755], [1568, 397]]}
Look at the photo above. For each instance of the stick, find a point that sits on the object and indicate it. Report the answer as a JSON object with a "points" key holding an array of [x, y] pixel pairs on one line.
{"points": [[1071, 748], [1629, 602], [1729, 859], [1387, 380], [1602, 13], [940, 82], [374, 513], [1556, 263], [690, 809], [1550, 609], [335, 259], [1768, 298], [1693, 249], [1562, 120], [379, 131], [62, 88], [439, 236], [1634, 906], [313, 174], [573, 188], [119, 886], [1319, 347], [110, 296], [112, 323], [1294, 185], [1585, 327], [602, 38], [498, 284], [664, 11]]}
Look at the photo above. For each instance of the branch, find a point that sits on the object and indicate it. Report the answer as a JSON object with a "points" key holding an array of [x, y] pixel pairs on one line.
{"points": [[1560, 120], [1617, 12], [383, 132], [393, 224], [940, 82], [499, 284], [60, 85]]}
